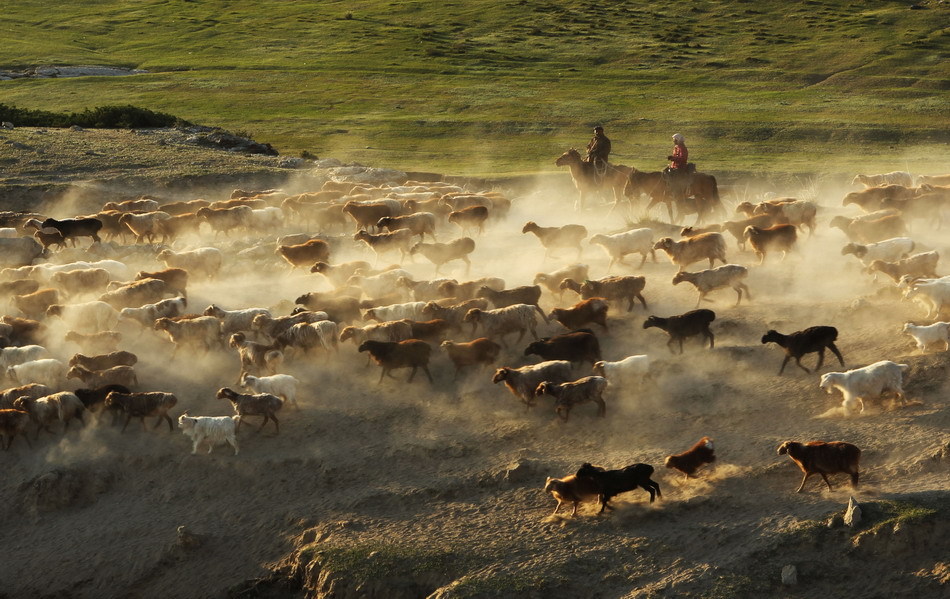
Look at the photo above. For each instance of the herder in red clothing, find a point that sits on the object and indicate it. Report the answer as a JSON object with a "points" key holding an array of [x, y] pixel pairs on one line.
{"points": [[677, 173]]}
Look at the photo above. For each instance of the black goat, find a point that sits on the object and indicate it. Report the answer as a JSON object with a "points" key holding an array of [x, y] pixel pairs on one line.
{"points": [[694, 322], [71, 228], [576, 347], [799, 343], [610, 483]]}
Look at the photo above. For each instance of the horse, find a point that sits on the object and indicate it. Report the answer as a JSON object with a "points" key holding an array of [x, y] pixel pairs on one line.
{"points": [[587, 180], [702, 196]]}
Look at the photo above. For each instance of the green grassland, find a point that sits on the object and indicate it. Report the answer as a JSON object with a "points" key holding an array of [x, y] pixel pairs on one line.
{"points": [[482, 86]]}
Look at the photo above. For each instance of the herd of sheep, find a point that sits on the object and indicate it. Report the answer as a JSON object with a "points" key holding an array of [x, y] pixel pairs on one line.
{"points": [[144, 255]]}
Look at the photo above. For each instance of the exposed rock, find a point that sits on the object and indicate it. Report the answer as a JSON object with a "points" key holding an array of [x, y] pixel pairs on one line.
{"points": [[520, 471], [188, 539], [852, 516], [291, 162], [790, 575], [6, 125], [62, 488], [365, 174]]}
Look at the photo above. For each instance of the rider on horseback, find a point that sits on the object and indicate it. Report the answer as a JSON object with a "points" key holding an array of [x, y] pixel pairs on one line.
{"points": [[677, 174], [598, 150]]}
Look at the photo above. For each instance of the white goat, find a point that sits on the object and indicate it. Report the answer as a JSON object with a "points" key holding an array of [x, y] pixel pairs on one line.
{"points": [[213, 429], [281, 385], [628, 372], [889, 250], [618, 245], [47, 372], [869, 382], [934, 294], [938, 332]]}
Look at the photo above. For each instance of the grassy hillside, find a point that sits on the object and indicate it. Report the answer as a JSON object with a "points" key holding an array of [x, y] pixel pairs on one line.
{"points": [[485, 86]]}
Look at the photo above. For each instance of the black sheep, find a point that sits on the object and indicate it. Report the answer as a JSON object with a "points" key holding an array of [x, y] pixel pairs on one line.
{"points": [[610, 483], [799, 343], [694, 322], [576, 347]]}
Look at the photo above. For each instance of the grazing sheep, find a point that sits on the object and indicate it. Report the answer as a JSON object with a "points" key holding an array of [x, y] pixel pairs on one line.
{"points": [[799, 343], [214, 430], [403, 354], [283, 386], [13, 423], [576, 347], [442, 253], [708, 246], [585, 311], [869, 382], [48, 371], [552, 281], [568, 395], [819, 457], [706, 281], [96, 343], [610, 483], [200, 262], [618, 245], [526, 294], [927, 336], [683, 326], [552, 238], [919, 265], [471, 217], [573, 489], [419, 223], [142, 405], [260, 404], [690, 460], [621, 288], [204, 332], [777, 237], [524, 381], [94, 317], [117, 375], [519, 318], [478, 351]]}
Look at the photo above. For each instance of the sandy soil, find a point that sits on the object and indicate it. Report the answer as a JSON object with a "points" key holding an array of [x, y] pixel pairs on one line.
{"points": [[396, 490]]}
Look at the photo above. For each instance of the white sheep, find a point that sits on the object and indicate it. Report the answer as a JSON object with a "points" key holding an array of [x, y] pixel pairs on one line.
{"points": [[395, 330], [380, 284], [48, 371], [235, 321], [149, 313], [11, 356], [706, 281], [117, 270], [202, 261], [893, 178], [214, 430], [618, 245], [281, 385], [519, 318], [889, 250], [869, 382], [307, 335], [934, 294], [933, 334], [92, 317], [410, 310], [569, 394], [628, 372]]}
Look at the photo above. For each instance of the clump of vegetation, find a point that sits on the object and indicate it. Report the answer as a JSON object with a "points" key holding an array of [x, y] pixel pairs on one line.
{"points": [[100, 117]]}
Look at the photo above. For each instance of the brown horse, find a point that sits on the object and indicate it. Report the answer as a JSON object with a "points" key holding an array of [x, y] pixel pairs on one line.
{"points": [[702, 196], [586, 179]]}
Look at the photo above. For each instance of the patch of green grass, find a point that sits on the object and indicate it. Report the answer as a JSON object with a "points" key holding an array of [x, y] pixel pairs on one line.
{"points": [[381, 561], [886, 513], [504, 87], [501, 585]]}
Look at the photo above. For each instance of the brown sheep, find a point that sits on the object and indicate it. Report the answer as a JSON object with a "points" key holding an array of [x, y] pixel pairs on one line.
{"points": [[478, 351], [707, 246], [573, 489], [411, 353], [13, 423], [305, 254], [175, 279], [585, 311], [819, 457], [35, 304], [690, 460], [471, 217], [777, 237]]}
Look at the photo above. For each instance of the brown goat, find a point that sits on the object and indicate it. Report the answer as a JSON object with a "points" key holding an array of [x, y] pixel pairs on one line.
{"points": [[818, 457], [690, 460]]}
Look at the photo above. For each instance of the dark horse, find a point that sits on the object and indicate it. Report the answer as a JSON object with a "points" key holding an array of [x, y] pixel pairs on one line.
{"points": [[702, 196], [586, 179]]}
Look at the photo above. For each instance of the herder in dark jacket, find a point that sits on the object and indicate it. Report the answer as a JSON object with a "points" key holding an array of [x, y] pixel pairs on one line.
{"points": [[598, 149]]}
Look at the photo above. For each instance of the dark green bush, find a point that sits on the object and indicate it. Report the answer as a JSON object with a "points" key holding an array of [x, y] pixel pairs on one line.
{"points": [[100, 117]]}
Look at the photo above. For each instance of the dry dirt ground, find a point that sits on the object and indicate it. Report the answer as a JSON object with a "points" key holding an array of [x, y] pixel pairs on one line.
{"points": [[412, 490]]}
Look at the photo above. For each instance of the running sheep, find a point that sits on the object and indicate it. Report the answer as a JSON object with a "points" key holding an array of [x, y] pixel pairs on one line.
{"points": [[213, 430], [706, 281], [870, 382]]}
